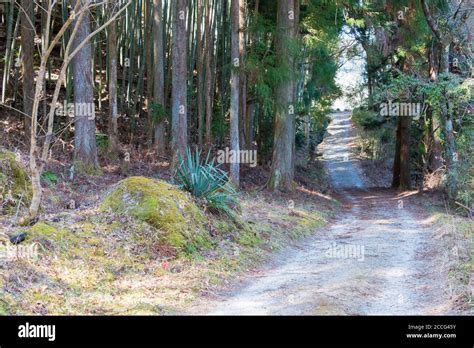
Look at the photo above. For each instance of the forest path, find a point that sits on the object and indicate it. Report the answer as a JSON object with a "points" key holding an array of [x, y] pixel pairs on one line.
{"points": [[378, 256]]}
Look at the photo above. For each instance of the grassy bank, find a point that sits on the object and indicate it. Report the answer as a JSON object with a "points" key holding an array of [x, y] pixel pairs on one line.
{"points": [[96, 262]]}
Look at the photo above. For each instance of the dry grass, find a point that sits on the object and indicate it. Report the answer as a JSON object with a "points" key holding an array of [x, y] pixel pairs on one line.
{"points": [[456, 234], [109, 264]]}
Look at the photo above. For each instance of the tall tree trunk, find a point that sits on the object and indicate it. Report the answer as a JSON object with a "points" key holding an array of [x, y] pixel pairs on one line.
{"points": [[168, 67], [243, 79], [433, 60], [445, 38], [85, 151], [401, 164], [402, 172], [250, 124], [451, 157], [396, 161], [405, 181], [369, 81], [434, 145], [451, 160], [159, 75], [150, 65], [200, 70], [36, 163], [296, 31], [250, 81], [113, 105], [179, 123], [208, 80], [307, 134], [27, 49], [444, 58], [368, 55], [284, 138], [235, 89]]}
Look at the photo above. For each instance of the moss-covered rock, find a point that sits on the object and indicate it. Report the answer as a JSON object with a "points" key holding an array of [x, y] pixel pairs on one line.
{"points": [[15, 183], [163, 206]]}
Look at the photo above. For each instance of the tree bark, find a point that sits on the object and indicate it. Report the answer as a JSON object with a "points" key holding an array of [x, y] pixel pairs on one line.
{"points": [[250, 124], [451, 159], [179, 83], [250, 81], [405, 180], [37, 160], [434, 146], [200, 71], [158, 75], [396, 161], [85, 151], [444, 58], [282, 172], [243, 77], [402, 172], [445, 39], [150, 65], [27, 48], [235, 89], [113, 105], [208, 85]]}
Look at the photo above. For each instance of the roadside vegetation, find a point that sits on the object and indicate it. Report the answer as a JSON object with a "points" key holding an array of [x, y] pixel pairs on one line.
{"points": [[114, 116], [147, 247]]}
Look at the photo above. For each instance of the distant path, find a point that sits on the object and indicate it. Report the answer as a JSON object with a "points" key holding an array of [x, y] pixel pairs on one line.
{"points": [[343, 172], [390, 265]]}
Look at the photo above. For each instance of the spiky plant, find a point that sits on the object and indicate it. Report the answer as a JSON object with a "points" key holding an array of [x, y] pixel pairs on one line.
{"points": [[205, 180]]}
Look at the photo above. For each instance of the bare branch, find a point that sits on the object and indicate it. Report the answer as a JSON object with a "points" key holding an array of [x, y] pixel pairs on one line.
{"points": [[431, 22]]}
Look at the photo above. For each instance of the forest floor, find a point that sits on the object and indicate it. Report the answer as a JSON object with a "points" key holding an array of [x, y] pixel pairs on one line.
{"points": [[385, 252], [398, 247], [91, 262]]}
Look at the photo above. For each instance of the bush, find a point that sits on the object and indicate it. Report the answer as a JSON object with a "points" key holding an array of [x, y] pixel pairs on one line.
{"points": [[465, 192], [367, 119], [377, 139], [203, 178]]}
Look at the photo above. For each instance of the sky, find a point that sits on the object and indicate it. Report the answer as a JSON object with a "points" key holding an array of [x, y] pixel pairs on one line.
{"points": [[349, 75]]}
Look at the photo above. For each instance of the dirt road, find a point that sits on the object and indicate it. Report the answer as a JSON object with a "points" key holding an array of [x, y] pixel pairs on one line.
{"points": [[379, 256]]}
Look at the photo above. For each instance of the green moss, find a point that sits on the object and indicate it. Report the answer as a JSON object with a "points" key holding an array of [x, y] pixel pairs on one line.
{"points": [[175, 238], [311, 220], [223, 225], [239, 230], [42, 231], [249, 238], [85, 169], [163, 206], [14, 181]]}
